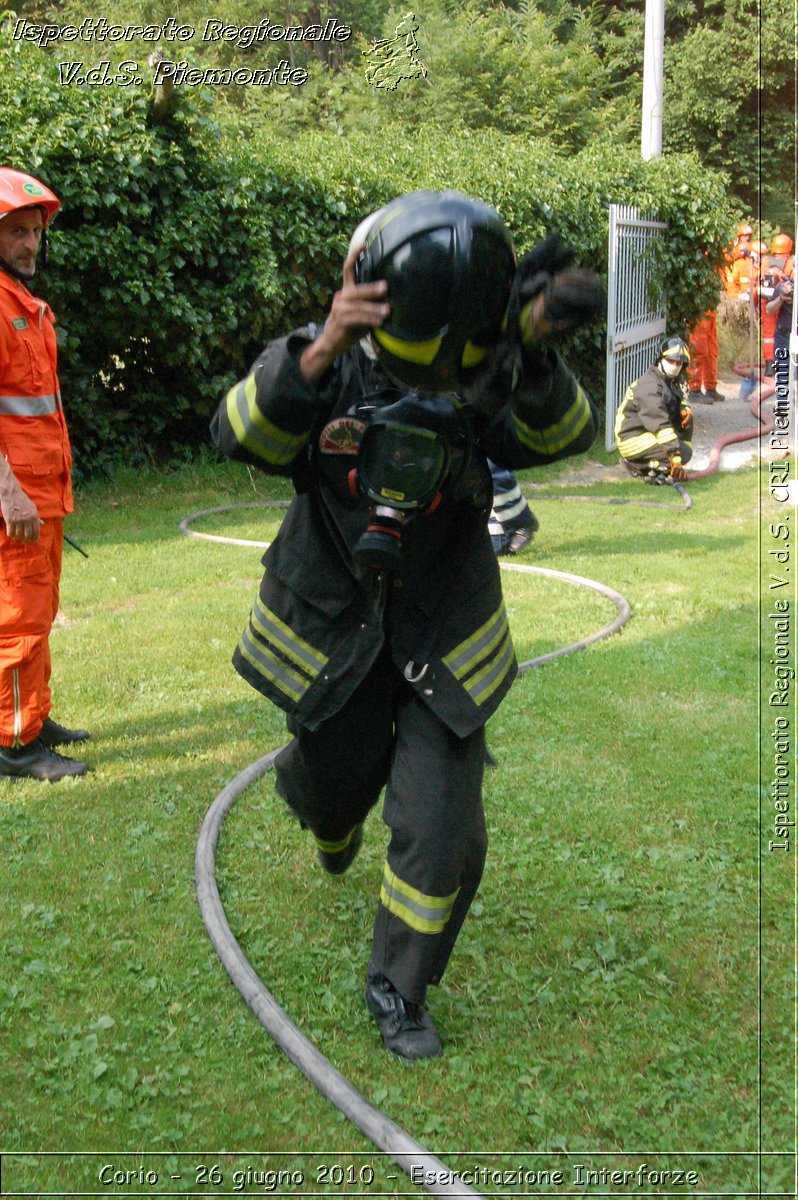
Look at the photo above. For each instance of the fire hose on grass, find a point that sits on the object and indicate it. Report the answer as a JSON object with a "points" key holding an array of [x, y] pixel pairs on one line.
{"points": [[760, 393], [384, 1133]]}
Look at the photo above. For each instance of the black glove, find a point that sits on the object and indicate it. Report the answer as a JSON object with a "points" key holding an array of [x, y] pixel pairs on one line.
{"points": [[537, 266], [572, 295]]}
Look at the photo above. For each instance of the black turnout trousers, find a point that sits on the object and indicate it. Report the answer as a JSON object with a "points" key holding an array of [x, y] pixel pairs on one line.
{"points": [[386, 735]]}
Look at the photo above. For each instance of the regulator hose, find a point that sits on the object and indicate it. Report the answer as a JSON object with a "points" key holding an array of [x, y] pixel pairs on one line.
{"points": [[384, 1133]]}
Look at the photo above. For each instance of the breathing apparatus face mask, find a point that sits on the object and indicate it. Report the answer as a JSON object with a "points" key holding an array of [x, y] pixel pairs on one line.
{"points": [[407, 453], [671, 368]]}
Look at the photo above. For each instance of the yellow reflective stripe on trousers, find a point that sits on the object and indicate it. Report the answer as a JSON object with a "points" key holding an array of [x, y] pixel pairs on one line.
{"points": [[556, 437], [17, 708], [28, 406], [269, 626], [425, 914], [334, 847], [257, 433]]}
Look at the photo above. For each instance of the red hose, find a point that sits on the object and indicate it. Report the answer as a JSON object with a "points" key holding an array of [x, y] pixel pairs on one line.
{"points": [[765, 389]]}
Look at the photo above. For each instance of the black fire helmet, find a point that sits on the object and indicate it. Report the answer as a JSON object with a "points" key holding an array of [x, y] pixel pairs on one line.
{"points": [[449, 263]]}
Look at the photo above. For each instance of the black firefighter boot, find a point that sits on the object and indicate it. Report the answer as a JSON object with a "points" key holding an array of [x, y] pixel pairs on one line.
{"points": [[406, 1028], [53, 734], [37, 761]]}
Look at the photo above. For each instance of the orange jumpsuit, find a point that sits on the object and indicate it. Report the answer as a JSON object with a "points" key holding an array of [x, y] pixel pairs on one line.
{"points": [[742, 276], [703, 366], [34, 439], [773, 268]]}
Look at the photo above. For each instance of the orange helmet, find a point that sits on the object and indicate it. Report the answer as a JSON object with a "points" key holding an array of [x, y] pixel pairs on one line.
{"points": [[744, 231], [18, 190], [759, 248], [781, 244]]}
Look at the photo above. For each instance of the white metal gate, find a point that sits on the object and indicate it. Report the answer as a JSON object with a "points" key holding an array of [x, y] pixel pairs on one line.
{"points": [[635, 322]]}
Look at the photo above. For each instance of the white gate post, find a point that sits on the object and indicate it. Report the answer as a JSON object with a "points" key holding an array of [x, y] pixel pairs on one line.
{"points": [[653, 76], [635, 323]]}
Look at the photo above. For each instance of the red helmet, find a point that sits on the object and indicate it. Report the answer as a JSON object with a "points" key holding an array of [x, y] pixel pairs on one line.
{"points": [[18, 190], [781, 244]]}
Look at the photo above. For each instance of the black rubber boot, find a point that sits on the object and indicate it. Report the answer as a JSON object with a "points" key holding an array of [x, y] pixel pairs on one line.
{"points": [[37, 761], [53, 734], [406, 1028]]}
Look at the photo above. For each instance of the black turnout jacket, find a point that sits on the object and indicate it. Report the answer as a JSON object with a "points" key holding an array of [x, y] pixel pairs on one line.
{"points": [[320, 620]]}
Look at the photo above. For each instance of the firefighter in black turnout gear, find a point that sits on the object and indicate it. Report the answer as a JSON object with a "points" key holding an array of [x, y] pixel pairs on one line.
{"points": [[654, 424], [379, 626]]}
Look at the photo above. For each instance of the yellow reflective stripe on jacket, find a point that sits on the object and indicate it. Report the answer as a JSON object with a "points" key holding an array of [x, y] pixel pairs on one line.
{"points": [[621, 413], [273, 668], [267, 643], [270, 627], [257, 433], [465, 657], [482, 661], [640, 443], [425, 914], [556, 437], [481, 686]]}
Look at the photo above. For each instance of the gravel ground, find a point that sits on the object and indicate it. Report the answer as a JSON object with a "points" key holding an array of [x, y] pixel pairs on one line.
{"points": [[734, 415]]}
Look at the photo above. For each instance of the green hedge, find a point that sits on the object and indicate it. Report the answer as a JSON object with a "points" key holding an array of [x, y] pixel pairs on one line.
{"points": [[183, 246], [536, 189]]}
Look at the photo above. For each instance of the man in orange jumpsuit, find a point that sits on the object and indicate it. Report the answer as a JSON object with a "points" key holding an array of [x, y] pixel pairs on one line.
{"points": [[740, 248], [35, 491], [703, 369]]}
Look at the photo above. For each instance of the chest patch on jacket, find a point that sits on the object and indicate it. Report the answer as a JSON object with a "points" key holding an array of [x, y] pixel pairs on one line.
{"points": [[20, 322], [341, 436]]}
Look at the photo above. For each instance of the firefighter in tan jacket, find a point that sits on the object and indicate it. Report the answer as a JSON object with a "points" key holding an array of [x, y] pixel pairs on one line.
{"points": [[653, 425]]}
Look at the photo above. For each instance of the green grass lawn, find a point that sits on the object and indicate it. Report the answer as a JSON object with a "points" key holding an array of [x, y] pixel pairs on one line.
{"points": [[621, 992]]}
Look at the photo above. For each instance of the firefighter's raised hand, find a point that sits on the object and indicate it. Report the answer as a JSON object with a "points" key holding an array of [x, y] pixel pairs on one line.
{"points": [[356, 309], [569, 299], [554, 295]]}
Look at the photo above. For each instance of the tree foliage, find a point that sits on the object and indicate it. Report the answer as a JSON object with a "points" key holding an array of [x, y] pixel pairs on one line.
{"points": [[487, 67], [157, 255], [730, 96], [185, 243]]}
